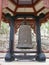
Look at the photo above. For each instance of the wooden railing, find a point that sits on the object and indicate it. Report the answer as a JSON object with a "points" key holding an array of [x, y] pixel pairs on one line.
{"points": [[4, 52]]}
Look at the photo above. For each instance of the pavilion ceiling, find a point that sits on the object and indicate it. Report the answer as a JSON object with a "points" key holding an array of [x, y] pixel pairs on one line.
{"points": [[26, 6], [23, 6]]}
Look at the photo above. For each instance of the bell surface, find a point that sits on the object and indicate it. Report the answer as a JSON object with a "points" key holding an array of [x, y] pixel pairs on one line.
{"points": [[24, 37]]}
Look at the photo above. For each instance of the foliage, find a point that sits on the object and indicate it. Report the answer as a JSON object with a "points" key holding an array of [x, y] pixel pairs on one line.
{"points": [[4, 28], [45, 28]]}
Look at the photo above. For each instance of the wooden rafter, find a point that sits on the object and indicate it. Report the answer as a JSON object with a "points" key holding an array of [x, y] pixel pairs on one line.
{"points": [[40, 9], [25, 6], [37, 2], [10, 10]]}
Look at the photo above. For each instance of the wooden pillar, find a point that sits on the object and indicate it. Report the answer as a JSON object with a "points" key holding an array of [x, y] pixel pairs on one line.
{"points": [[10, 55], [40, 55]]}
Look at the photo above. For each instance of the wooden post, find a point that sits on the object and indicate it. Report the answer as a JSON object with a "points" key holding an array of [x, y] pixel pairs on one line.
{"points": [[10, 55], [40, 55]]}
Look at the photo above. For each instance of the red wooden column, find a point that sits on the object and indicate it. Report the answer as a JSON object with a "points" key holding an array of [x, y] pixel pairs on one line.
{"points": [[3, 4], [0, 11], [46, 3]]}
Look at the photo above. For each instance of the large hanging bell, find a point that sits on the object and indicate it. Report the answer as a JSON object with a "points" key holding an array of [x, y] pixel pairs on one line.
{"points": [[24, 37]]}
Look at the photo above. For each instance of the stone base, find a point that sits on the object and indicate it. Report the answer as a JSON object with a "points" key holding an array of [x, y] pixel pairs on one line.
{"points": [[9, 57], [41, 57]]}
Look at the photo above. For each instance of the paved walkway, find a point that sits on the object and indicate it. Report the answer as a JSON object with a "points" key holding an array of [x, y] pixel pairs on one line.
{"points": [[2, 62]]}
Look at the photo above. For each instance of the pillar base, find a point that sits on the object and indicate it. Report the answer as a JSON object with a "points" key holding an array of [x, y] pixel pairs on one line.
{"points": [[9, 57], [41, 57]]}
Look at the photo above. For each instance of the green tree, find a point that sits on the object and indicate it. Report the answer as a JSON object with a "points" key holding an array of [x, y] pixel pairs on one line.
{"points": [[4, 28]]}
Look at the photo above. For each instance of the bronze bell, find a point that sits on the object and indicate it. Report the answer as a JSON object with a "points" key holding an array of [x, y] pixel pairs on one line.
{"points": [[24, 38]]}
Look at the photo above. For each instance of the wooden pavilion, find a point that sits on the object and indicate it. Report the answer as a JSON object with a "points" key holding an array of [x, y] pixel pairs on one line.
{"points": [[31, 11]]}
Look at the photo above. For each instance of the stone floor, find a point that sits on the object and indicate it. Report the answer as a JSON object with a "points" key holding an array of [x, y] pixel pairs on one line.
{"points": [[2, 62]]}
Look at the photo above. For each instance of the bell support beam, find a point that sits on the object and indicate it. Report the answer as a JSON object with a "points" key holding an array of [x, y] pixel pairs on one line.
{"points": [[24, 15], [10, 55]]}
